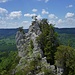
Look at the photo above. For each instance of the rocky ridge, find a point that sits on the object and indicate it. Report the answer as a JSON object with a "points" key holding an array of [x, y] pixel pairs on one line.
{"points": [[30, 51]]}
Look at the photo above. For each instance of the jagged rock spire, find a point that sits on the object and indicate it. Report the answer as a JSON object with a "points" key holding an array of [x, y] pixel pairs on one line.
{"points": [[26, 53], [34, 18]]}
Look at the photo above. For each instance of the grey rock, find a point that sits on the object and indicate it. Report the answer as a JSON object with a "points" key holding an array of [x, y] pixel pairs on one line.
{"points": [[23, 45], [20, 43]]}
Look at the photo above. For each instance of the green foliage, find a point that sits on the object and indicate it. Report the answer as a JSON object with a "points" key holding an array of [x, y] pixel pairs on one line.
{"points": [[48, 40], [39, 57], [20, 73], [67, 39], [8, 55], [31, 44], [8, 62], [34, 67], [47, 72], [21, 30], [30, 68], [7, 44], [65, 57]]}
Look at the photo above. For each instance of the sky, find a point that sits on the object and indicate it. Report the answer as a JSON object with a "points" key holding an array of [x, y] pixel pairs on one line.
{"points": [[17, 13]]}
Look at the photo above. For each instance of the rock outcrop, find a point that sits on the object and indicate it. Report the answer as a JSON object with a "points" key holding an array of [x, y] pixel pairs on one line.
{"points": [[20, 41], [29, 51]]}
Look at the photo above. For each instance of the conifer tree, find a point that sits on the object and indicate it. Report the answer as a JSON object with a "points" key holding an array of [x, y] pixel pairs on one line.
{"points": [[48, 40]]}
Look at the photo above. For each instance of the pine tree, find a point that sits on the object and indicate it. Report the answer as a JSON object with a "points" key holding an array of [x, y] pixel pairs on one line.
{"points": [[48, 40]]}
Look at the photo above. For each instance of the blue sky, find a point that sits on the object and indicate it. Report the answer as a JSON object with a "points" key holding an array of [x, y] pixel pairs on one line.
{"points": [[16, 13]]}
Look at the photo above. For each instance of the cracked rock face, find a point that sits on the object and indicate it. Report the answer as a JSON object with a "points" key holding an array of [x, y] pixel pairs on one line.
{"points": [[20, 43], [33, 33], [24, 51]]}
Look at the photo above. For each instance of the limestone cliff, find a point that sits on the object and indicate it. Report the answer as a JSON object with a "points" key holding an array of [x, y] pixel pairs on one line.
{"points": [[30, 51]]}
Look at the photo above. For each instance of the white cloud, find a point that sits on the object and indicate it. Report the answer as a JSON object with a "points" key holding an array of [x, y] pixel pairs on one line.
{"points": [[69, 15], [69, 6], [15, 15], [24, 22], [2, 22], [70, 21], [52, 22], [44, 11], [34, 10], [43, 0], [32, 15], [60, 21], [39, 17], [3, 1], [66, 23], [7, 24], [29, 15], [46, 1], [52, 16], [12, 25], [3, 11]]}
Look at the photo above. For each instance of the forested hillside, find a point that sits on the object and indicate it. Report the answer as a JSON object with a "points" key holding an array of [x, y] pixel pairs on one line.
{"points": [[7, 37], [65, 30], [11, 32], [67, 39], [6, 33], [8, 49]]}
